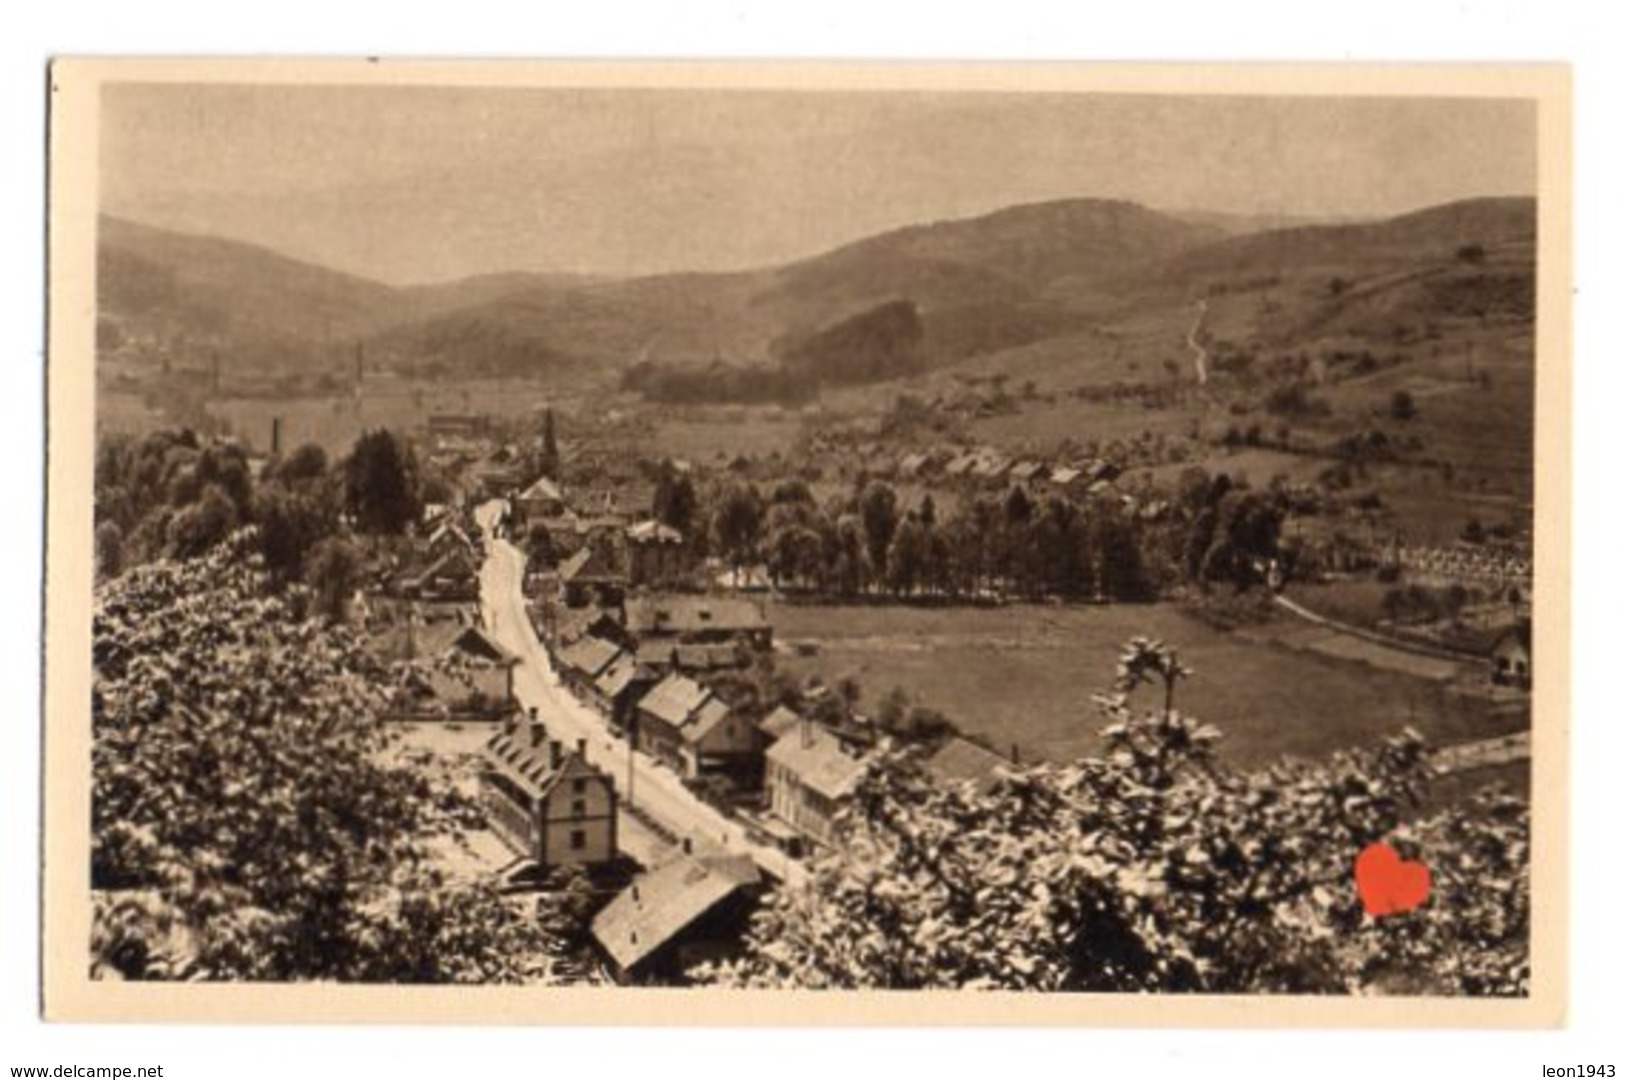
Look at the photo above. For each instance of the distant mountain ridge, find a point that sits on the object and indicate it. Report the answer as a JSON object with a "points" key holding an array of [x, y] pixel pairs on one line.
{"points": [[1020, 274]]}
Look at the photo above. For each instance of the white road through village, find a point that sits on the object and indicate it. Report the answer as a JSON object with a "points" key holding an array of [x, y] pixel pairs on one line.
{"points": [[655, 789]]}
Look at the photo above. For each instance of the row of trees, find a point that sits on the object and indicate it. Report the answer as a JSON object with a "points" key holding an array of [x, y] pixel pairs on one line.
{"points": [[868, 543], [171, 495], [1153, 868]]}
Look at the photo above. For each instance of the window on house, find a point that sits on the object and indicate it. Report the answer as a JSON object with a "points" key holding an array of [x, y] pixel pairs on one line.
{"points": [[578, 839], [578, 786], [578, 808]]}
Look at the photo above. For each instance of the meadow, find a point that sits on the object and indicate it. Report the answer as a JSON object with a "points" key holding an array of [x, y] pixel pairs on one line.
{"points": [[1024, 676]]}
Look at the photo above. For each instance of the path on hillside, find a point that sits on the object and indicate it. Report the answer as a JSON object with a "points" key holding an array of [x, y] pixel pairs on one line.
{"points": [[1436, 652], [654, 790], [1199, 360]]}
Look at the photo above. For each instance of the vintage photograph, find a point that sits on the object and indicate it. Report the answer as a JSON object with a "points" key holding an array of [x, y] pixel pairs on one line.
{"points": [[771, 534]]}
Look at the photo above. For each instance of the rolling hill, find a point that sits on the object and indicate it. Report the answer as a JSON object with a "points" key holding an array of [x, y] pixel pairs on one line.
{"points": [[991, 286], [980, 283]]}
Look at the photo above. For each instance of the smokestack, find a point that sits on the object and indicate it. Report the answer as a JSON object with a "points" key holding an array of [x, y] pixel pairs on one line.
{"points": [[688, 845], [537, 731], [510, 723], [555, 753], [581, 747], [533, 717], [276, 436], [1015, 754]]}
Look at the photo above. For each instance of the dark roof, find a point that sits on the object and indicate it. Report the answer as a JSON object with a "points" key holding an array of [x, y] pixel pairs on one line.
{"points": [[705, 720], [622, 672], [574, 622], [960, 760], [1518, 635], [692, 614], [662, 903], [530, 765], [455, 562], [587, 565], [476, 642], [718, 657], [543, 489]]}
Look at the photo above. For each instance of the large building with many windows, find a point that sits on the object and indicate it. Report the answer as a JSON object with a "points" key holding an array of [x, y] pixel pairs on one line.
{"points": [[546, 801]]}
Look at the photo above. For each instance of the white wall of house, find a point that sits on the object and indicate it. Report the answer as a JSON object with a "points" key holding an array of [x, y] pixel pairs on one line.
{"points": [[579, 822]]}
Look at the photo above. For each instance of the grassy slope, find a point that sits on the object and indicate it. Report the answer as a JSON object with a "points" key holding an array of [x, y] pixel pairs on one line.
{"points": [[1026, 675]]}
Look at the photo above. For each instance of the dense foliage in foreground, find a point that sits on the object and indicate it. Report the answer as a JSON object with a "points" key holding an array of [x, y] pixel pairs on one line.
{"points": [[247, 821], [1153, 869]]}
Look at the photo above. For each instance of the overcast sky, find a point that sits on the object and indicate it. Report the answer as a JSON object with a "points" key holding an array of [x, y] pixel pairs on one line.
{"points": [[414, 184]]}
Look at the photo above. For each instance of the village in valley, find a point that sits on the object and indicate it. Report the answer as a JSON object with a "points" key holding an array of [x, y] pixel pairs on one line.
{"points": [[1030, 618]]}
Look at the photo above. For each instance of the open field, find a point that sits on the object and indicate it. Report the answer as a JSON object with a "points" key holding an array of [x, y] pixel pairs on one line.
{"points": [[1025, 675], [335, 421], [709, 436]]}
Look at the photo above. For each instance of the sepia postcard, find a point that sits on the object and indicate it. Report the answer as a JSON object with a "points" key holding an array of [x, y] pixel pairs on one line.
{"points": [[729, 543]]}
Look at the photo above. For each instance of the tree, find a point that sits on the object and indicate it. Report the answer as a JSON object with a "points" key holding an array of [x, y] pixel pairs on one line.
{"points": [[1402, 405], [203, 524], [877, 506], [539, 545], [548, 464], [381, 484], [308, 462], [290, 524], [893, 709], [906, 560], [109, 550], [737, 524], [675, 501], [334, 573], [247, 823]]}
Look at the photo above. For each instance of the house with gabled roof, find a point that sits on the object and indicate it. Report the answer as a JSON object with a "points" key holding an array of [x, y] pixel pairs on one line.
{"points": [[542, 499], [1512, 657], [619, 687], [1028, 471], [545, 801], [960, 761], [656, 554], [686, 911], [810, 776], [663, 656], [452, 576], [682, 723], [583, 660], [778, 723], [590, 576], [498, 474], [696, 619], [1066, 480], [448, 536]]}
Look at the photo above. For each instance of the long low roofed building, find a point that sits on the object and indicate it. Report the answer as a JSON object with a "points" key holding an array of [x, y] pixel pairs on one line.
{"points": [[689, 910]]}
